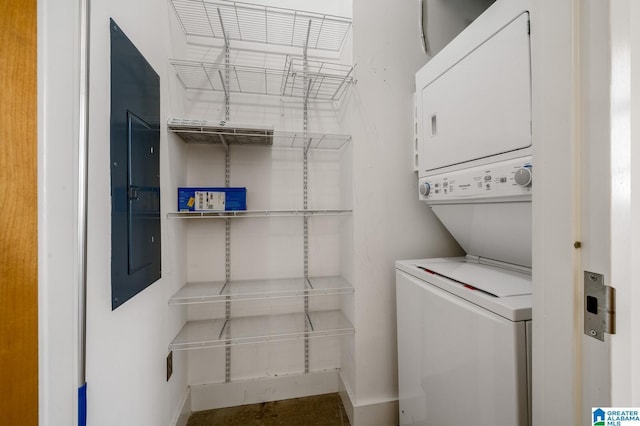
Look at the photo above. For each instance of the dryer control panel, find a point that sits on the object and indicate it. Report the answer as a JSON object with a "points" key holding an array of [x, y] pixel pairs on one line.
{"points": [[504, 179]]}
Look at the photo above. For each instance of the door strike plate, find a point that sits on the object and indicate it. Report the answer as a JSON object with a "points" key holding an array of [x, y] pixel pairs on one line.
{"points": [[599, 306]]}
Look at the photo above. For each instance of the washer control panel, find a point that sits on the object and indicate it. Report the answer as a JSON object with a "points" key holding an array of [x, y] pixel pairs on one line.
{"points": [[506, 178]]}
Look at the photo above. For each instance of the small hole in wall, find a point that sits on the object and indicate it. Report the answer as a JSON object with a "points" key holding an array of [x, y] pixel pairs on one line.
{"points": [[415, 160], [434, 125]]}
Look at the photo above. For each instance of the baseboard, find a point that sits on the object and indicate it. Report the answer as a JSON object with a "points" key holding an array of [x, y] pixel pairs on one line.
{"points": [[384, 413], [346, 395], [220, 395], [378, 413], [181, 417]]}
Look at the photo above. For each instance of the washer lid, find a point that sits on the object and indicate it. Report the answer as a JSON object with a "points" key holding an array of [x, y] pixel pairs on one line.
{"points": [[498, 282]]}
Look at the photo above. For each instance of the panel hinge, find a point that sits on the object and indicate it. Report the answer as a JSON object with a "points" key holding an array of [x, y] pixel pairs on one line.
{"points": [[599, 306]]}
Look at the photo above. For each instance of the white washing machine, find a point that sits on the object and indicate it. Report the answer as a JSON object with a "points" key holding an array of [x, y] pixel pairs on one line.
{"points": [[465, 331], [464, 324]]}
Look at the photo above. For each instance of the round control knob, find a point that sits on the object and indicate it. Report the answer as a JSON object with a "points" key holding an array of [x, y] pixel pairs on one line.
{"points": [[523, 176], [425, 189]]}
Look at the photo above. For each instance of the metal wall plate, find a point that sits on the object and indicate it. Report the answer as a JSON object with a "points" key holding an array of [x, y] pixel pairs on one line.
{"points": [[599, 306], [135, 170]]}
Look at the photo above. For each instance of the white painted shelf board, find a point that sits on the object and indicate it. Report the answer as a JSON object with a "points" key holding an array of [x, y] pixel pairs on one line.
{"points": [[260, 329], [255, 213], [217, 291]]}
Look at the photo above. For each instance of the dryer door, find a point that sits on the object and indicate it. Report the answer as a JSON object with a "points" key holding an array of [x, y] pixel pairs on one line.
{"points": [[481, 105]]}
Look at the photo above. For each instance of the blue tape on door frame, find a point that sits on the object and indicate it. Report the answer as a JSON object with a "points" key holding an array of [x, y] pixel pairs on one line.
{"points": [[82, 405]]}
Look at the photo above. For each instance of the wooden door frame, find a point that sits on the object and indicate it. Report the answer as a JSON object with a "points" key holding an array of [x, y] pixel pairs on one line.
{"points": [[556, 351], [584, 115], [18, 214], [58, 132]]}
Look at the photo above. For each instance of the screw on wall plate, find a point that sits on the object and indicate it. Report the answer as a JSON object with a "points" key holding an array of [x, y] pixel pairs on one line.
{"points": [[577, 244], [115, 164], [593, 332], [593, 277]]}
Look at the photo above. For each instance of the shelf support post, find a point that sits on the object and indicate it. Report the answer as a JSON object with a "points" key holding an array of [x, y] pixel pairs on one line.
{"points": [[226, 148], [305, 187], [306, 45], [226, 94], [227, 68], [227, 183], [227, 269]]}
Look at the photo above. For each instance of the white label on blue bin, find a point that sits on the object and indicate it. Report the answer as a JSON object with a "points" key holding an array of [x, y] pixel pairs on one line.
{"points": [[206, 200]]}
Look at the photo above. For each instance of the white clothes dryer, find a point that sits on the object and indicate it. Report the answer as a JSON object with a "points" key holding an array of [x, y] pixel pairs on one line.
{"points": [[464, 324]]}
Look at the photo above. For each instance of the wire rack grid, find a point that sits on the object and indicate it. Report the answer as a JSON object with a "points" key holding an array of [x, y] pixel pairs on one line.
{"points": [[238, 21], [326, 81], [207, 132]]}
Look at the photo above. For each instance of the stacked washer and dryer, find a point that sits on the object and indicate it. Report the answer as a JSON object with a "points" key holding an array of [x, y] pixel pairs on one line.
{"points": [[464, 323]]}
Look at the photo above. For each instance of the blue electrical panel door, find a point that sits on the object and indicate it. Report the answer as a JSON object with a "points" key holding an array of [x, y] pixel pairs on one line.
{"points": [[144, 193], [135, 170]]}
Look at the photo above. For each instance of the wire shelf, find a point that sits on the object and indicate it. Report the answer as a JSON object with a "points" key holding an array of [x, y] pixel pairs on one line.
{"points": [[325, 81], [220, 291], [256, 213], [206, 132], [260, 329], [262, 24]]}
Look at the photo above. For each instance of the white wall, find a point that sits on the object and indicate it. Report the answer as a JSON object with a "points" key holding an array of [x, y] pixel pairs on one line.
{"points": [[445, 19], [127, 348], [266, 248], [625, 138], [634, 315], [389, 222]]}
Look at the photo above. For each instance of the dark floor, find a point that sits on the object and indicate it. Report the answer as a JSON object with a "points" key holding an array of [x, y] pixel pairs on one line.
{"points": [[321, 410]]}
